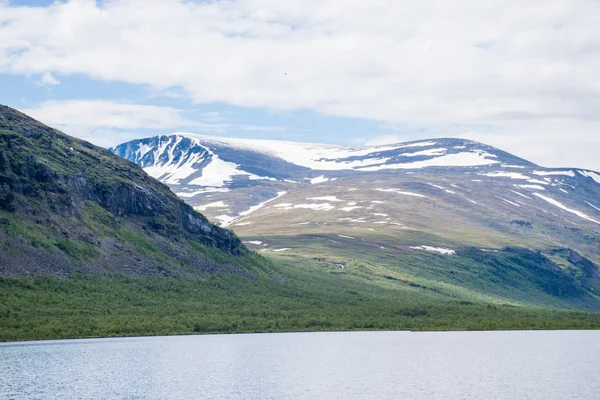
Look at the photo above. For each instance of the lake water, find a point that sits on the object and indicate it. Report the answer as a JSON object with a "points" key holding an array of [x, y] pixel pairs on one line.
{"points": [[354, 365]]}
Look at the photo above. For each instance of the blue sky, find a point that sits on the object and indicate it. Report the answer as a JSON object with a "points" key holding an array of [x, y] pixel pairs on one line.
{"points": [[519, 76], [25, 93]]}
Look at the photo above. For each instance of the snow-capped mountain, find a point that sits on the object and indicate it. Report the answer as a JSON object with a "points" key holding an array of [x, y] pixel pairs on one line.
{"points": [[472, 206], [446, 188], [198, 167], [180, 157]]}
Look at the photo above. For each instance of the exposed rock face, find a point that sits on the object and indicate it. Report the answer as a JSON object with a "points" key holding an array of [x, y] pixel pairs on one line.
{"points": [[57, 188]]}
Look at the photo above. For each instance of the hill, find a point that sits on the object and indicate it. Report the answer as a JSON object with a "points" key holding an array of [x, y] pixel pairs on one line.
{"points": [[68, 206]]}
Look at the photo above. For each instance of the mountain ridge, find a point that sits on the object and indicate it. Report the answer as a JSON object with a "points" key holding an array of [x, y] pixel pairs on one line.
{"points": [[195, 165], [442, 210]]}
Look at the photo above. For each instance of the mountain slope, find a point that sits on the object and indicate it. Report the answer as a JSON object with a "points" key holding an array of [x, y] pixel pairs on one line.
{"points": [[199, 168], [455, 214], [343, 249], [68, 206]]}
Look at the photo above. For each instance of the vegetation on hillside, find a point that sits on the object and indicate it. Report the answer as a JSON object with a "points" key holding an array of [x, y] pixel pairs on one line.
{"points": [[69, 206], [282, 298]]}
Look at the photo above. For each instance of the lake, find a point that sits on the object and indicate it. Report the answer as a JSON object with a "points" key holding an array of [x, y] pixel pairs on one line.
{"points": [[339, 365]]}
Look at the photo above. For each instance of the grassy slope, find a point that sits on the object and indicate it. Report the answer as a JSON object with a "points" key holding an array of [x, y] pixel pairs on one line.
{"points": [[77, 207], [385, 230], [504, 276], [284, 297]]}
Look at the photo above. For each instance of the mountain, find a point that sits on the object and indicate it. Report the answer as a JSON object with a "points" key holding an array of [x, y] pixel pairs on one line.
{"points": [[462, 214], [68, 206], [434, 235]]}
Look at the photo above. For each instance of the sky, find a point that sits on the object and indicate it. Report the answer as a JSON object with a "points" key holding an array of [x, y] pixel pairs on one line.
{"points": [[521, 76]]}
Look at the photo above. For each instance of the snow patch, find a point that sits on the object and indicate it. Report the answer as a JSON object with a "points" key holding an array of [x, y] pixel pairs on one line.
{"points": [[508, 201], [219, 172], [521, 194], [565, 208], [325, 198], [240, 216], [506, 174], [537, 181], [534, 187], [593, 206], [470, 159], [439, 250], [352, 208], [314, 206], [216, 204], [258, 206], [401, 192], [197, 192], [429, 152], [589, 174], [550, 173], [225, 220], [436, 186], [319, 179]]}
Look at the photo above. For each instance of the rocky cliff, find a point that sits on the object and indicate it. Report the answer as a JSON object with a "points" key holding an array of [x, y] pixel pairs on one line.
{"points": [[69, 206]]}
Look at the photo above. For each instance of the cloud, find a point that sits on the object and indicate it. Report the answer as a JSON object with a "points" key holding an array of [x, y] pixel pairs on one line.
{"points": [[108, 114], [386, 139], [106, 122], [212, 116], [554, 143], [503, 69], [47, 79]]}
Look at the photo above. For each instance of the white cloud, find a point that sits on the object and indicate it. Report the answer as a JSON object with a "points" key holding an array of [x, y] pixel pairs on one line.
{"points": [[386, 139], [106, 122], [47, 79], [212, 116], [512, 67], [108, 114]]}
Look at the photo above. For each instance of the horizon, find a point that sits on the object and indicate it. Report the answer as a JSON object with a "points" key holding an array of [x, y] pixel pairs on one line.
{"points": [[228, 138]]}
